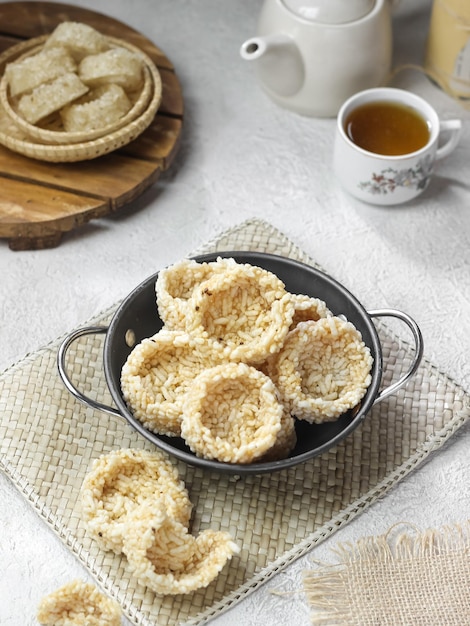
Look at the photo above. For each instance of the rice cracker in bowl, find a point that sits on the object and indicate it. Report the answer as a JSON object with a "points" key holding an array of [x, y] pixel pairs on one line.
{"points": [[99, 107], [157, 374], [117, 66], [286, 439], [25, 74], [244, 313], [166, 558], [232, 414], [80, 40], [175, 287], [322, 370], [51, 97], [307, 308], [119, 482]]}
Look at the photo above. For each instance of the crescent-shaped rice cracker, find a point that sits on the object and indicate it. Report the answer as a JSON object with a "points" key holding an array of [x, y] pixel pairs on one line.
{"points": [[166, 558], [172, 547], [157, 374], [244, 312], [322, 370], [78, 604], [307, 309], [175, 285], [118, 482], [231, 413]]}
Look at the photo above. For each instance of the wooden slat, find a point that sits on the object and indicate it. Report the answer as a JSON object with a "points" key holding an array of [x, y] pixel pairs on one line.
{"points": [[158, 143], [172, 98], [24, 221], [114, 176]]}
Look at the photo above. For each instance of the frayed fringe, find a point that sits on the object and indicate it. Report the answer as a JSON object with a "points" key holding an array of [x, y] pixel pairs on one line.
{"points": [[399, 544], [326, 587]]}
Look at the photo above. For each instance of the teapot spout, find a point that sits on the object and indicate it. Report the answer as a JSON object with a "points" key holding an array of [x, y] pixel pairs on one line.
{"points": [[278, 61]]}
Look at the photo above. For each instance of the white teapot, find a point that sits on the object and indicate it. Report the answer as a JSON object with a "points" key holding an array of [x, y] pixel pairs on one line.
{"points": [[311, 55]]}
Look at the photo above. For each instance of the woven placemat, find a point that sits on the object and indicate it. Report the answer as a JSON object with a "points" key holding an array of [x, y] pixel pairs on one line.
{"points": [[48, 440]]}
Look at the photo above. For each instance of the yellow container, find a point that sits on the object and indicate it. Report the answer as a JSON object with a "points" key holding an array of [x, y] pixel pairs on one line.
{"points": [[448, 46]]}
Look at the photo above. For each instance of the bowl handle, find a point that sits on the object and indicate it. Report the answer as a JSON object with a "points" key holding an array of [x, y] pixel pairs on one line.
{"points": [[418, 338], [61, 355]]}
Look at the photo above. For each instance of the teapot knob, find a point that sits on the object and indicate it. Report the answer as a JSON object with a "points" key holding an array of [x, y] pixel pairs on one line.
{"points": [[330, 11]]}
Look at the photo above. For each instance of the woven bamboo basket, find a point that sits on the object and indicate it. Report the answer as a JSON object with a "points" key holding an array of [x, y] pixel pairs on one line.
{"points": [[50, 142], [52, 131]]}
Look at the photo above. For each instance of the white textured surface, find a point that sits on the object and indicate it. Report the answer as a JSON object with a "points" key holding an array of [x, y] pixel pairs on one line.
{"points": [[242, 157]]}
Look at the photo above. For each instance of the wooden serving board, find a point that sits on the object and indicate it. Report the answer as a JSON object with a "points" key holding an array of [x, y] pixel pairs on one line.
{"points": [[40, 201]]}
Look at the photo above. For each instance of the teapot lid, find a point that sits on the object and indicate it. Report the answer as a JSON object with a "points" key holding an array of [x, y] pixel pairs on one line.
{"points": [[330, 11]]}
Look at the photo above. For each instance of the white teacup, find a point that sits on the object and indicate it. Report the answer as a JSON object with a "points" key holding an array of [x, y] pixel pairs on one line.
{"points": [[388, 179]]}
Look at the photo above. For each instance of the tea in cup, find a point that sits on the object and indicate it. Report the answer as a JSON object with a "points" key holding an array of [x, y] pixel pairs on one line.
{"points": [[387, 143]]}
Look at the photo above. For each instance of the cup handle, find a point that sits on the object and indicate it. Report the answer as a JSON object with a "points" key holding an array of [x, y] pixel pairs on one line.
{"points": [[454, 128]]}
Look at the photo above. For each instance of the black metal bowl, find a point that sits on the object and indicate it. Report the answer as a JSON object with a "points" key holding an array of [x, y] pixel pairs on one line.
{"points": [[137, 318]]}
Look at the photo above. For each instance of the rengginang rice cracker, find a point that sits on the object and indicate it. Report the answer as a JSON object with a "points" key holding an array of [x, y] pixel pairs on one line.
{"points": [[118, 482], [322, 370], [166, 558], [157, 374], [244, 313], [78, 604], [232, 414]]}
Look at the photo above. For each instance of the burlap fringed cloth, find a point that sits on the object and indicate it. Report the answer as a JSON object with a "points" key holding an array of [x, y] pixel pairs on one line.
{"points": [[405, 577], [48, 440]]}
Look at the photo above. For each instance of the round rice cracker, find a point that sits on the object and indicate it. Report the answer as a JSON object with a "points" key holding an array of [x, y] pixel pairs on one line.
{"points": [[231, 413], [157, 374], [323, 369], [286, 440], [244, 313], [307, 308], [166, 558], [175, 285], [118, 482], [78, 604]]}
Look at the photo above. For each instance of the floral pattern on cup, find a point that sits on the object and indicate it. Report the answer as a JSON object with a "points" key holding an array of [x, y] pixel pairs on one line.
{"points": [[388, 180]]}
